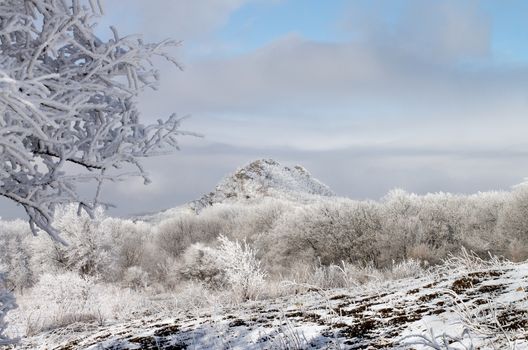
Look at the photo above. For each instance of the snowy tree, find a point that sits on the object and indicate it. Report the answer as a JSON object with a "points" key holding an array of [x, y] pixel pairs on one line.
{"points": [[91, 250], [201, 263], [68, 101], [15, 254], [68, 106], [326, 232], [7, 303], [242, 268]]}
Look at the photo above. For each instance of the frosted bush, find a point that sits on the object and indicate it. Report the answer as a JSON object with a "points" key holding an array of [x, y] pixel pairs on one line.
{"points": [[194, 295], [251, 220], [243, 272], [201, 263], [135, 277], [331, 276], [406, 268], [176, 234], [91, 251], [232, 264], [7, 303], [120, 304], [15, 254], [319, 276], [57, 300], [124, 244]]}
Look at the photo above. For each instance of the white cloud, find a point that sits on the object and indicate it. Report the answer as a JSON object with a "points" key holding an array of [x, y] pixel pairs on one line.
{"points": [[321, 96], [179, 19], [435, 30]]}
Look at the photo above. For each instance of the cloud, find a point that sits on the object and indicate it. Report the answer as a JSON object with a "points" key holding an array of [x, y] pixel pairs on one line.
{"points": [[412, 97], [310, 95], [438, 31], [410, 75], [410, 63], [402, 78], [179, 19]]}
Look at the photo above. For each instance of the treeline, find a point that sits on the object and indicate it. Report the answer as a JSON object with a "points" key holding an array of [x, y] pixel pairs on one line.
{"points": [[287, 236], [117, 269]]}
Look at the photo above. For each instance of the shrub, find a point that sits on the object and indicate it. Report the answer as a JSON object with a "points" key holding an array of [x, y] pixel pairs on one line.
{"points": [[406, 268], [90, 251], [57, 300], [329, 231], [242, 269], [135, 278], [15, 254], [7, 303], [201, 263]]}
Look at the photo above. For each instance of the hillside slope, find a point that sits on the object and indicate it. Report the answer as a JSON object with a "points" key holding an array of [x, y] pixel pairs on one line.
{"points": [[465, 304]]}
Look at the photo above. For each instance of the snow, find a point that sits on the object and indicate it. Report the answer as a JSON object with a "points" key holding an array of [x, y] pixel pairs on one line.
{"points": [[266, 177], [483, 307], [259, 179]]}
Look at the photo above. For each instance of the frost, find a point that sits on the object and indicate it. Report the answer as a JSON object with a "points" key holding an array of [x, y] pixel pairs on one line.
{"points": [[266, 177], [243, 271], [7, 303], [68, 102]]}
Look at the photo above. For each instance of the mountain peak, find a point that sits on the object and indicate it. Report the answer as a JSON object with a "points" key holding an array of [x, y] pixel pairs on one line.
{"points": [[265, 178]]}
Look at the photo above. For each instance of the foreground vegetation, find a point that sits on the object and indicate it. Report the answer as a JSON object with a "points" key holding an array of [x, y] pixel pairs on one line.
{"points": [[116, 269], [464, 303]]}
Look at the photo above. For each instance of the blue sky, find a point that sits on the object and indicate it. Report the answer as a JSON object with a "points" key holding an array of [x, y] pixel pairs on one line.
{"points": [[426, 95], [509, 39], [259, 23]]}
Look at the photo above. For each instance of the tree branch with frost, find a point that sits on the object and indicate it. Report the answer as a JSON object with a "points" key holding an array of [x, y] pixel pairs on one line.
{"points": [[68, 101], [7, 303]]}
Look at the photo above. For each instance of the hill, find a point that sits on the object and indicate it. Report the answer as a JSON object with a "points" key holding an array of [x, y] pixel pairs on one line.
{"points": [[254, 181], [264, 178]]}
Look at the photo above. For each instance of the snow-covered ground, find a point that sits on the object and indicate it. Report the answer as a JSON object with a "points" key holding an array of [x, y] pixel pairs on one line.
{"points": [[466, 304]]}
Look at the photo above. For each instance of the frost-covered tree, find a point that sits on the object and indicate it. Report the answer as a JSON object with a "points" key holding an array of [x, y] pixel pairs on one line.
{"points": [[68, 108], [201, 263], [91, 250], [15, 254], [242, 268], [68, 105], [7, 303]]}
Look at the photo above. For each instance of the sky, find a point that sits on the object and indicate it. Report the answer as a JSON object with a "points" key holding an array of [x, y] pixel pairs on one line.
{"points": [[368, 95]]}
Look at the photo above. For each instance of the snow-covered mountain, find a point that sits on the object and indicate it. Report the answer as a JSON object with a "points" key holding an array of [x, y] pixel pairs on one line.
{"points": [[259, 179], [265, 178]]}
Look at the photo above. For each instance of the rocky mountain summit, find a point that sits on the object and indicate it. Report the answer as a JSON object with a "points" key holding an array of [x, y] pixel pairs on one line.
{"points": [[259, 179], [265, 178]]}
